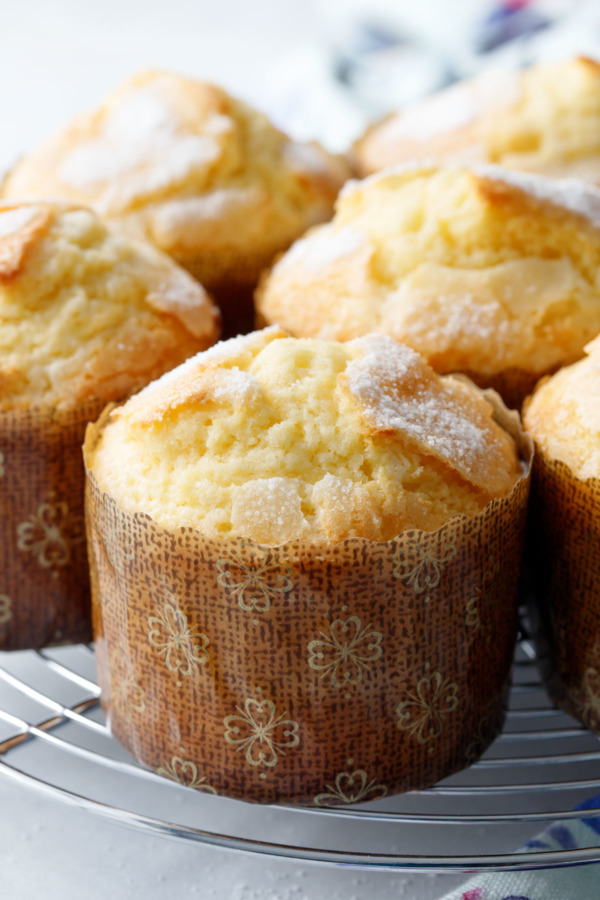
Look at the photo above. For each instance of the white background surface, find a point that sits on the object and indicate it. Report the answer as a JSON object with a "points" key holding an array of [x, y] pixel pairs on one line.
{"points": [[57, 58]]}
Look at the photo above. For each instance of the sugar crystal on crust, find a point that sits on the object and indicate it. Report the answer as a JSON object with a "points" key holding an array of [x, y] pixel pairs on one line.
{"points": [[570, 194], [399, 393], [323, 248]]}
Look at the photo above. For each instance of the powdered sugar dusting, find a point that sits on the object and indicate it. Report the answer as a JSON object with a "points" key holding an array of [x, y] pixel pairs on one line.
{"points": [[421, 166], [453, 108], [214, 206], [496, 88], [570, 193], [13, 220], [236, 387], [447, 111], [306, 158], [268, 510], [398, 391], [139, 140], [324, 247], [222, 352], [243, 343]]}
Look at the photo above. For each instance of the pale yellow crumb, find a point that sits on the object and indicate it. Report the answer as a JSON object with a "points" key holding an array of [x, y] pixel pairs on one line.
{"points": [[273, 439], [563, 415]]}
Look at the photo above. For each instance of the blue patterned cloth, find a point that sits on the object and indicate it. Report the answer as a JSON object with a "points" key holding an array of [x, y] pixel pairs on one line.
{"points": [[580, 882]]}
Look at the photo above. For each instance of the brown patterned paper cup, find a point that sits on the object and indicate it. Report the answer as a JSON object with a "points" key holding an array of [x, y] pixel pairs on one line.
{"points": [[308, 672], [513, 385], [565, 535], [44, 581]]}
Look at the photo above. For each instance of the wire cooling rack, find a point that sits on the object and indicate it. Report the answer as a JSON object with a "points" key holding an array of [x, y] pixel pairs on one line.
{"points": [[53, 736]]}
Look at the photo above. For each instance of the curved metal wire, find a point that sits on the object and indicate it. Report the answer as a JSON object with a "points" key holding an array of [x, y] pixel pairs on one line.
{"points": [[561, 744]]}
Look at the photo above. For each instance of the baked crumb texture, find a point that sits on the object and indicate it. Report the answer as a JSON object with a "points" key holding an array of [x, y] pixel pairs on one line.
{"points": [[182, 164], [273, 438], [481, 270], [86, 314], [563, 416], [544, 119]]}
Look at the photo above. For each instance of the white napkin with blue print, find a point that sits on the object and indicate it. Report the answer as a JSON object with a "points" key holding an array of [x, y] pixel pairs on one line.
{"points": [[578, 882]]}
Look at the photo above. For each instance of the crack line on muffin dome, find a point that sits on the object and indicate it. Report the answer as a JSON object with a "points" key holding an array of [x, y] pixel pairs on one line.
{"points": [[346, 652], [255, 588], [259, 731]]}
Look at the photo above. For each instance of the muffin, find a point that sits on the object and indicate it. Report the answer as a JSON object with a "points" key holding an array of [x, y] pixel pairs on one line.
{"points": [[563, 416], [545, 119], [203, 176], [86, 317], [317, 545], [482, 271]]}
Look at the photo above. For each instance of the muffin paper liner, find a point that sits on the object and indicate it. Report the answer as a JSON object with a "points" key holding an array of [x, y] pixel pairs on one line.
{"points": [[565, 543], [44, 580], [308, 672], [513, 384]]}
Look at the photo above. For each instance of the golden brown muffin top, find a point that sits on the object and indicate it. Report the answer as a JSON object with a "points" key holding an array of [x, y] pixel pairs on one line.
{"points": [[181, 163], [563, 415], [479, 269], [88, 314], [273, 438], [545, 119]]}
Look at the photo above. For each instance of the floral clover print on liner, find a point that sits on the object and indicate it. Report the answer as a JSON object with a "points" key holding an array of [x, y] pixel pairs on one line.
{"points": [[185, 772], [587, 699], [254, 587], [5, 609], [182, 645], [480, 738], [475, 592], [424, 712], [346, 652], [120, 547], [472, 619], [259, 731], [49, 533], [350, 787], [126, 696], [416, 565]]}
